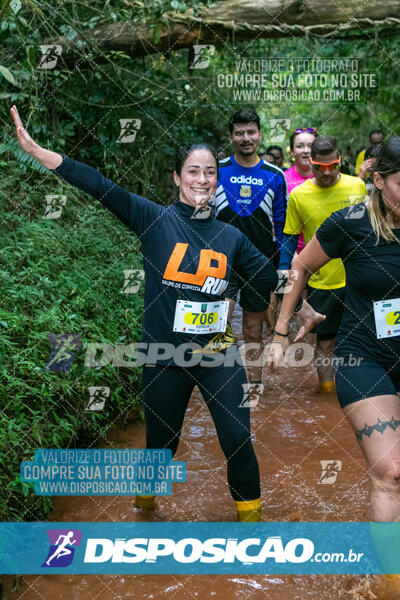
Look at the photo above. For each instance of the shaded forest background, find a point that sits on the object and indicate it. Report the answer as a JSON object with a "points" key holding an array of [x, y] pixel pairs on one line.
{"points": [[65, 275]]}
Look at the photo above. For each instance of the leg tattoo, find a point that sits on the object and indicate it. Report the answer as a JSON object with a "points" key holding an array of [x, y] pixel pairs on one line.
{"points": [[380, 426]]}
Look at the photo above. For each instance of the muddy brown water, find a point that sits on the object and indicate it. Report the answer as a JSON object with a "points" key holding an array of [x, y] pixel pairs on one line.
{"points": [[293, 428]]}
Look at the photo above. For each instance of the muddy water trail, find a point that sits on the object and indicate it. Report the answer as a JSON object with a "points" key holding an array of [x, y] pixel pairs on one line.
{"points": [[294, 428]]}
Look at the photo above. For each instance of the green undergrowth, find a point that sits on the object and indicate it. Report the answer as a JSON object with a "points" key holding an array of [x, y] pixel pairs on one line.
{"points": [[59, 276]]}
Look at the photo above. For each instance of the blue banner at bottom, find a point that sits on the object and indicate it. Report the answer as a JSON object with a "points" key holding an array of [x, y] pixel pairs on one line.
{"points": [[199, 548]]}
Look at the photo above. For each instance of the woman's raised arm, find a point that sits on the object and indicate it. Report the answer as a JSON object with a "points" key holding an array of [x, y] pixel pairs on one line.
{"points": [[134, 211]]}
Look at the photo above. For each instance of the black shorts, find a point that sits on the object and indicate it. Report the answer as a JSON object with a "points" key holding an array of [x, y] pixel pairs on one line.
{"points": [[359, 378], [249, 299], [331, 304]]}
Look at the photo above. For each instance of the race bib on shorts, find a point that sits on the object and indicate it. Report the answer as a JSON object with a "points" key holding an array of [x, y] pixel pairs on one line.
{"points": [[387, 318], [200, 317]]}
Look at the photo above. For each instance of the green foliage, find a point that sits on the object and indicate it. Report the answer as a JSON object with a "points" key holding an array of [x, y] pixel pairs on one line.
{"points": [[6, 73], [59, 276]]}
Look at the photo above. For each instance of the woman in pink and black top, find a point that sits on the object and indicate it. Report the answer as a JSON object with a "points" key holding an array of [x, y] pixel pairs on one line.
{"points": [[300, 147]]}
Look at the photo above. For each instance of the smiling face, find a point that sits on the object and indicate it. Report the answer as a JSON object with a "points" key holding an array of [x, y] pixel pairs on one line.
{"points": [[245, 138], [326, 176], [390, 188], [197, 180], [301, 151]]}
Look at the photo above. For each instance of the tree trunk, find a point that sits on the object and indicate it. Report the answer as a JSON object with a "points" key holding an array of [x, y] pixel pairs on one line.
{"points": [[240, 20]]}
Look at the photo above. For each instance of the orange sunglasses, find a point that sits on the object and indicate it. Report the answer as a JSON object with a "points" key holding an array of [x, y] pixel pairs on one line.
{"points": [[323, 166]]}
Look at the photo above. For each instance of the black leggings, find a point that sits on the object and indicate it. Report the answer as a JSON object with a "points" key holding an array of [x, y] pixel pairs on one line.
{"points": [[167, 391]]}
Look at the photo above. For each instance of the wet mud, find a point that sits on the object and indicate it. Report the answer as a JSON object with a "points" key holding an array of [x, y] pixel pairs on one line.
{"points": [[294, 427]]}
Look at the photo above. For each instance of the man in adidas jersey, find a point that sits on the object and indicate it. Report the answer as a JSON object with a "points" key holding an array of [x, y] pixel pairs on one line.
{"points": [[252, 196]]}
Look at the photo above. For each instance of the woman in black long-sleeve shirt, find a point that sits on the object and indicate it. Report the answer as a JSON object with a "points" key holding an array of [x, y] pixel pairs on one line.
{"points": [[188, 259]]}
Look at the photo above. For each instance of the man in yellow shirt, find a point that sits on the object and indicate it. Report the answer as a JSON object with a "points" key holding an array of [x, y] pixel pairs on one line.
{"points": [[309, 205], [376, 138]]}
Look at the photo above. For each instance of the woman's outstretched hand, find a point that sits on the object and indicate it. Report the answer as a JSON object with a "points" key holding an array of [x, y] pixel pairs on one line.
{"points": [[24, 139], [49, 159], [310, 317], [279, 345]]}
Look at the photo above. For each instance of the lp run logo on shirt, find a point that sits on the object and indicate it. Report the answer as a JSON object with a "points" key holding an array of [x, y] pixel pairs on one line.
{"points": [[211, 270]]}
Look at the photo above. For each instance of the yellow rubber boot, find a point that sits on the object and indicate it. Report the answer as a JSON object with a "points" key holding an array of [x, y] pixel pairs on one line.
{"points": [[248, 511], [327, 386], [147, 502], [394, 582]]}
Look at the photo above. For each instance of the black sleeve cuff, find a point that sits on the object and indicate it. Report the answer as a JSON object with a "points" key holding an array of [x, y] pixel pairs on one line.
{"points": [[60, 169]]}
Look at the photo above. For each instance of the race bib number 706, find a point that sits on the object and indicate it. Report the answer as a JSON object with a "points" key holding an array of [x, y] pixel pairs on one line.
{"points": [[200, 317]]}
